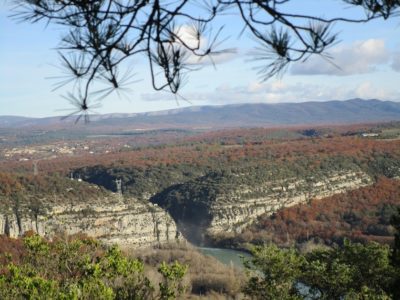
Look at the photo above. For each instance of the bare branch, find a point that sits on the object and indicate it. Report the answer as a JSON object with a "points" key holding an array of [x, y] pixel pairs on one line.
{"points": [[102, 34]]}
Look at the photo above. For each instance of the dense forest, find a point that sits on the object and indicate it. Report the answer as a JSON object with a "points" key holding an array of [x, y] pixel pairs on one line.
{"points": [[274, 159], [222, 147], [194, 179], [188, 175], [30, 194], [362, 215]]}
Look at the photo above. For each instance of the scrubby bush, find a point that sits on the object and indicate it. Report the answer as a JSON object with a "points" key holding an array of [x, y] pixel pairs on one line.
{"points": [[81, 268], [205, 276], [354, 271]]}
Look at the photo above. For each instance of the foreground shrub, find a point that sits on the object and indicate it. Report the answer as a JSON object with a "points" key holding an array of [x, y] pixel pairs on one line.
{"points": [[206, 275], [81, 268], [354, 271]]}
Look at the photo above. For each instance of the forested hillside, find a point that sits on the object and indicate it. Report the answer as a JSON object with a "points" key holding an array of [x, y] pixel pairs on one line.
{"points": [[202, 183], [25, 193], [221, 181], [305, 187], [361, 215]]}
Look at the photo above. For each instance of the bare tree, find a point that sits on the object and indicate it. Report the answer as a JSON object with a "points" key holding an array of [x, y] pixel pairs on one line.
{"points": [[103, 34]]}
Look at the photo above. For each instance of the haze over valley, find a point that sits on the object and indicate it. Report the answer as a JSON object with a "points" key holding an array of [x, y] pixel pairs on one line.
{"points": [[231, 116]]}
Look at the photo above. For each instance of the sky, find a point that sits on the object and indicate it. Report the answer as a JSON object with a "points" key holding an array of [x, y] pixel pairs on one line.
{"points": [[368, 56]]}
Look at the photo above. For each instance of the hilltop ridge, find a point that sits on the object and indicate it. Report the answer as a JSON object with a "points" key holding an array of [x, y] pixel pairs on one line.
{"points": [[234, 115]]}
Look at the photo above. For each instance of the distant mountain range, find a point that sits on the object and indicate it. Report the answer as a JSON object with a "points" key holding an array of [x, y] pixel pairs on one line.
{"points": [[237, 115]]}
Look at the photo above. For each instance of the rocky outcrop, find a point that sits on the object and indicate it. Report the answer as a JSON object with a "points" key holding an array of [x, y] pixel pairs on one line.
{"points": [[233, 212], [128, 223], [208, 209]]}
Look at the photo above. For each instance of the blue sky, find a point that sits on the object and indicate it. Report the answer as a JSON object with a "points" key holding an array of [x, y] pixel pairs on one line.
{"points": [[367, 54]]}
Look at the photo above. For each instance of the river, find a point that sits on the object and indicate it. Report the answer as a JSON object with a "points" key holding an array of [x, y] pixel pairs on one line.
{"points": [[232, 257], [226, 256]]}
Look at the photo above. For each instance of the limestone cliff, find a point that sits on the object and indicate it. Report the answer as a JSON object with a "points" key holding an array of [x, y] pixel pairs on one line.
{"points": [[202, 208], [245, 206], [128, 223]]}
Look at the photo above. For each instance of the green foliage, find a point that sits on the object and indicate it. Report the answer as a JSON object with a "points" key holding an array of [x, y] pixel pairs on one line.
{"points": [[273, 273], [139, 181], [24, 282], [27, 194], [367, 294], [354, 271], [80, 268], [395, 255], [172, 274], [395, 222], [327, 278], [36, 245], [94, 288], [350, 270], [386, 164]]}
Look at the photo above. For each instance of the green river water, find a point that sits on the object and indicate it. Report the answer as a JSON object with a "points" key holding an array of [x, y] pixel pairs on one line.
{"points": [[226, 256]]}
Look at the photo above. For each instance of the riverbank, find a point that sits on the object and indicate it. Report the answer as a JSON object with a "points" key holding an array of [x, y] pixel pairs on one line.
{"points": [[207, 277], [229, 257]]}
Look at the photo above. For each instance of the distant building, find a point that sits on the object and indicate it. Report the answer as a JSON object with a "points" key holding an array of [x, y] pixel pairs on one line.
{"points": [[369, 134]]}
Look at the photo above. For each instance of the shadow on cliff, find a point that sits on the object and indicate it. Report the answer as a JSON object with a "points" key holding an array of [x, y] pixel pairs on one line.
{"points": [[191, 214]]}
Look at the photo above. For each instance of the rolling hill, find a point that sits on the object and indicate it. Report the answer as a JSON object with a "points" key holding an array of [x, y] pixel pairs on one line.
{"points": [[236, 115]]}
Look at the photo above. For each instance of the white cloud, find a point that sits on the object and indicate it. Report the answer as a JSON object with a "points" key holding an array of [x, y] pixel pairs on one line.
{"points": [[279, 91], [368, 90], [188, 36], [157, 96], [358, 58], [396, 61]]}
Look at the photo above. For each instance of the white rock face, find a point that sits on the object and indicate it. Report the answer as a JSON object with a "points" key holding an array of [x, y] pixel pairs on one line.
{"points": [[110, 220], [242, 206], [134, 224]]}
